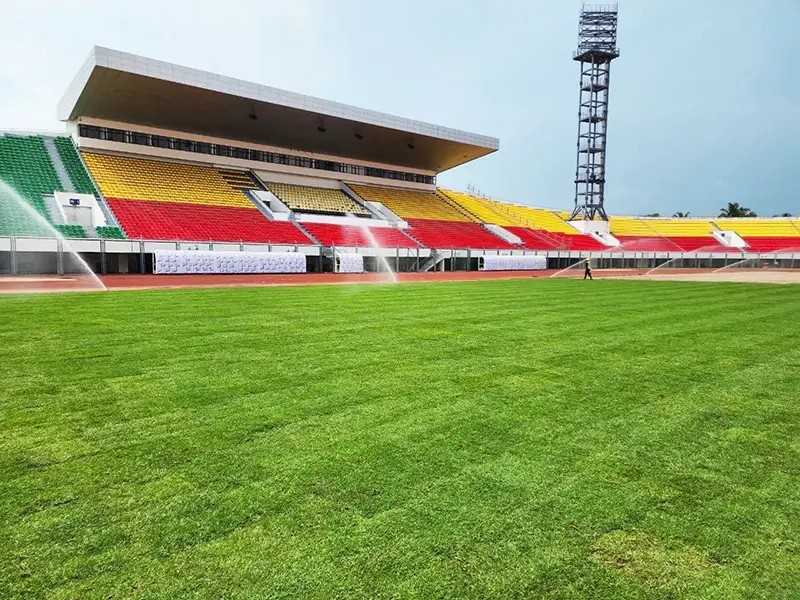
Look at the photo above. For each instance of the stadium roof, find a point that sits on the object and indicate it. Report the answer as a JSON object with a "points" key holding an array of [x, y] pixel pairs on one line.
{"points": [[117, 86]]}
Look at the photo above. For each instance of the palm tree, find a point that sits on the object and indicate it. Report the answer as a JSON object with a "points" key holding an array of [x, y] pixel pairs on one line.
{"points": [[681, 215], [734, 210]]}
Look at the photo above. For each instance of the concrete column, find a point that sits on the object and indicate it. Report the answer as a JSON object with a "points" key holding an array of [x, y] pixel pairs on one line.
{"points": [[59, 257], [14, 269]]}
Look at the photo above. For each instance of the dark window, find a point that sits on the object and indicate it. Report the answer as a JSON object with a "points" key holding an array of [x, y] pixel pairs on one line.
{"points": [[144, 139]]}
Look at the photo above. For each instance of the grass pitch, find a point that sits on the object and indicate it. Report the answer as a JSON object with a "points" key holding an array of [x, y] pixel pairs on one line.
{"points": [[519, 439]]}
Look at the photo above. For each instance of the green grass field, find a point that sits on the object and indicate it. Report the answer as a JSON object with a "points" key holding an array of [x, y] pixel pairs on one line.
{"points": [[518, 439]]}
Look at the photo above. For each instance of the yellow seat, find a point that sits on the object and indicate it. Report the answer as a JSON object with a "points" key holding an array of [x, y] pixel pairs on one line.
{"points": [[533, 218], [482, 208], [311, 199], [631, 226], [143, 179], [760, 227], [681, 227], [413, 204]]}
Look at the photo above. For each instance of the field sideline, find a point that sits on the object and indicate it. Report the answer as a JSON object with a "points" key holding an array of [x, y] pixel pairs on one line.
{"points": [[507, 439]]}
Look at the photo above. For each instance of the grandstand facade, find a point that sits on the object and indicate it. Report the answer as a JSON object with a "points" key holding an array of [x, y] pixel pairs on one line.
{"points": [[158, 157]]}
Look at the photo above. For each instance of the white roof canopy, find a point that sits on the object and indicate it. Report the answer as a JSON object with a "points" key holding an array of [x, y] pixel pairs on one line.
{"points": [[123, 87]]}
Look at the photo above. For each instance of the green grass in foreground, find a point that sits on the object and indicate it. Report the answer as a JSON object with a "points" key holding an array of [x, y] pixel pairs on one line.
{"points": [[469, 440]]}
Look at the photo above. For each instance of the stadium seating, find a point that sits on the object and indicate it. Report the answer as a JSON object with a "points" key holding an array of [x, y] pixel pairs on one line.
{"points": [[764, 235], [647, 244], [669, 244], [316, 200], [15, 221], [581, 242], [663, 235], [675, 228], [773, 244], [533, 239], [413, 204], [195, 222], [350, 235], [111, 233], [72, 163], [535, 218], [760, 228], [173, 201], [482, 208], [71, 231], [157, 181], [455, 234], [631, 227], [25, 165]]}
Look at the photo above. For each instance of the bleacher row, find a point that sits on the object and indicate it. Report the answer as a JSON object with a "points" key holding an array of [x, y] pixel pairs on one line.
{"points": [[161, 200], [26, 167]]}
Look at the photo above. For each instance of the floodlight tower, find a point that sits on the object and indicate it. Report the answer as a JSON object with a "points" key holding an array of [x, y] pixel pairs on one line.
{"points": [[597, 47]]}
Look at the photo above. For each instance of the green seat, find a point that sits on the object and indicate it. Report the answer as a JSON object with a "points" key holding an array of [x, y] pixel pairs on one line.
{"points": [[25, 166], [111, 233], [77, 172], [71, 231]]}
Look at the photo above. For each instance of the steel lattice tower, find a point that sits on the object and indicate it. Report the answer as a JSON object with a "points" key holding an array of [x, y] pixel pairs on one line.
{"points": [[597, 47]]}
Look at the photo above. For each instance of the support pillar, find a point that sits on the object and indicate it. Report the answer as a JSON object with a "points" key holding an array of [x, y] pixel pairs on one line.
{"points": [[59, 257], [103, 265], [14, 267]]}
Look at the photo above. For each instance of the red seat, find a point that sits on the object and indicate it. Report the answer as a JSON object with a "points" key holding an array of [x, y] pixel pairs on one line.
{"points": [[145, 219], [533, 239], [455, 234], [350, 235], [773, 244], [581, 242], [670, 244]]}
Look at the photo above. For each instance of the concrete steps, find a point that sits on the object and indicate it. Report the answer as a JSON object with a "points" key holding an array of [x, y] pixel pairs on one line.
{"points": [[58, 165]]}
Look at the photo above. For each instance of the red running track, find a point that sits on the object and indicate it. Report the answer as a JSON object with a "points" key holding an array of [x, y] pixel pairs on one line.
{"points": [[54, 283]]}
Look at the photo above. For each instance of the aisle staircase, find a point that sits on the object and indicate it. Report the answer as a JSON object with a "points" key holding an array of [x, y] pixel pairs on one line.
{"points": [[58, 165]]}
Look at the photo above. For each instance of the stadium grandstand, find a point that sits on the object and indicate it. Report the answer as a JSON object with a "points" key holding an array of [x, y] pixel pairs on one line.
{"points": [[161, 156]]}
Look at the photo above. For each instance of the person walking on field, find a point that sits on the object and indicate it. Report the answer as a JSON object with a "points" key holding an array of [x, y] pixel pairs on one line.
{"points": [[588, 271]]}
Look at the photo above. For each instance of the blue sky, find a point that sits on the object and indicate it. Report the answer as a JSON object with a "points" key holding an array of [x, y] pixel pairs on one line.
{"points": [[703, 101]]}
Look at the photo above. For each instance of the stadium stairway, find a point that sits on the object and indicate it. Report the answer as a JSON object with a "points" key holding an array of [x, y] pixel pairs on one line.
{"points": [[58, 165], [53, 213], [75, 167], [308, 233], [481, 209]]}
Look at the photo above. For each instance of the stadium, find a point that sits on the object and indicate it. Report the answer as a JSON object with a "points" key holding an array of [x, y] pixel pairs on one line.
{"points": [[231, 422], [165, 167]]}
